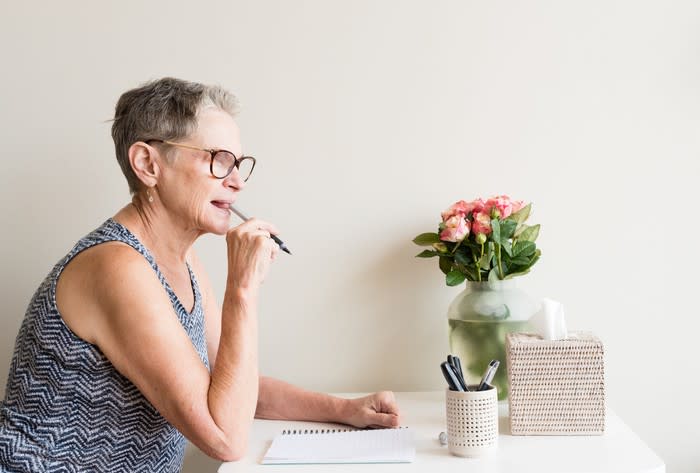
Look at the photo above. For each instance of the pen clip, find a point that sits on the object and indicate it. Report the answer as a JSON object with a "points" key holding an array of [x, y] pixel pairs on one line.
{"points": [[488, 375]]}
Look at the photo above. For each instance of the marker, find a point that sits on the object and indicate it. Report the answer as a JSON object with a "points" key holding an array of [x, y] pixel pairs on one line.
{"points": [[488, 375], [245, 218], [458, 365], [450, 377]]}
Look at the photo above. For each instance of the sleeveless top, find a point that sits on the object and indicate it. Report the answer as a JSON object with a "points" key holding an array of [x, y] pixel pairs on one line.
{"points": [[67, 408]]}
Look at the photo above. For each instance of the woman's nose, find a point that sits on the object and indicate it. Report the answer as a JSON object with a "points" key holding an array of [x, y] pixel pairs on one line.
{"points": [[235, 180]]}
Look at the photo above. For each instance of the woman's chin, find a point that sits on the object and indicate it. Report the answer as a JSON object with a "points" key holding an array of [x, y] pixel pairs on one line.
{"points": [[218, 228]]}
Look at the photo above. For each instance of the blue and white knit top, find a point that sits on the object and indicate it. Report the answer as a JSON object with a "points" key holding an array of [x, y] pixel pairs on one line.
{"points": [[66, 408]]}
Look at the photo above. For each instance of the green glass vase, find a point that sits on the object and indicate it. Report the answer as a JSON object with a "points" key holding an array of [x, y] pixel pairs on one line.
{"points": [[479, 318]]}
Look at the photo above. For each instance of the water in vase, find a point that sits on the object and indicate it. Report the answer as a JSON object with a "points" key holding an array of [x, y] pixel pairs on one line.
{"points": [[477, 342]]}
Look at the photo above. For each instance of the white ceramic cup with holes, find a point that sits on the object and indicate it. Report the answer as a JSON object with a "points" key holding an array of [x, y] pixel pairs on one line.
{"points": [[472, 421]]}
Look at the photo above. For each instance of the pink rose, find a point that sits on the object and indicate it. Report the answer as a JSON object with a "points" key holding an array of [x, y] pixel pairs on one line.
{"points": [[517, 205], [477, 205], [463, 208], [456, 229], [458, 208], [502, 203], [481, 223]]}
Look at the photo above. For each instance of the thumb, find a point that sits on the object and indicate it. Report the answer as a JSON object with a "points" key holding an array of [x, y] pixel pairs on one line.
{"points": [[381, 419]]}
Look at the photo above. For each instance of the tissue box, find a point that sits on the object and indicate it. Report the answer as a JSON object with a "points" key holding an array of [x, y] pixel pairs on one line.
{"points": [[557, 387]]}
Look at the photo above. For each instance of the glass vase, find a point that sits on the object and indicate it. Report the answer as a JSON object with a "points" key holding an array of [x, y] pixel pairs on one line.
{"points": [[479, 318]]}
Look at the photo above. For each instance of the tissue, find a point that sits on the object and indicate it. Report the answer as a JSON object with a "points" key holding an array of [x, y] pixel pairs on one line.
{"points": [[549, 321]]}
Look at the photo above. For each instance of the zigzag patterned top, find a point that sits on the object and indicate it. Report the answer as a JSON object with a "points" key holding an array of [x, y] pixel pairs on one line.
{"points": [[67, 408]]}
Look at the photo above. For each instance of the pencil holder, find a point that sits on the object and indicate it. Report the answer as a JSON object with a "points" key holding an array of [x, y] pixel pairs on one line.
{"points": [[557, 387], [472, 421]]}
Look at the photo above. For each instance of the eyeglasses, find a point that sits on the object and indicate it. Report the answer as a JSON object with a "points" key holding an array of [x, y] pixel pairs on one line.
{"points": [[222, 162]]}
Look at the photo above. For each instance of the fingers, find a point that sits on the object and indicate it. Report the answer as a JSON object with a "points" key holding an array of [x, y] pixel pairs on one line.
{"points": [[250, 251], [387, 403], [381, 420], [379, 410], [254, 224]]}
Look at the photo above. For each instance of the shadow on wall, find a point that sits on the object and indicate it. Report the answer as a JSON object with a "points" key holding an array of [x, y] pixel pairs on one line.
{"points": [[401, 316], [44, 228]]}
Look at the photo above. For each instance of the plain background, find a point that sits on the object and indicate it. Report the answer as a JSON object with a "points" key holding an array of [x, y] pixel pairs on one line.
{"points": [[368, 118]]}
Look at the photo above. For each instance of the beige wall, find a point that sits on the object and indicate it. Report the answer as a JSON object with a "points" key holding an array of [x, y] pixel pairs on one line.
{"points": [[368, 118]]}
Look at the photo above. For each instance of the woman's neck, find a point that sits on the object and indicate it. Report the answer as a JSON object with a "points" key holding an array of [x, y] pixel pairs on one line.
{"points": [[167, 239]]}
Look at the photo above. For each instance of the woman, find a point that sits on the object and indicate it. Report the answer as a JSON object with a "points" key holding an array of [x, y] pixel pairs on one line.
{"points": [[123, 351]]}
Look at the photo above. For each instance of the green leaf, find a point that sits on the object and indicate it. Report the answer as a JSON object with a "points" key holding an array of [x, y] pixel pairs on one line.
{"points": [[520, 260], [485, 261], [507, 247], [488, 256], [520, 230], [507, 228], [427, 254], [426, 239], [463, 258], [454, 278], [530, 233], [524, 248], [496, 231], [521, 215], [493, 274], [512, 275], [445, 264], [470, 273]]}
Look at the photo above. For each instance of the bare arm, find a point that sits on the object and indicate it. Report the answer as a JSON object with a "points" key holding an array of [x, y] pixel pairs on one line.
{"points": [[280, 400], [132, 321]]}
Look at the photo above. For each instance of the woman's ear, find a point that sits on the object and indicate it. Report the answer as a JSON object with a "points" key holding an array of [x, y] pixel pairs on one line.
{"points": [[142, 158]]}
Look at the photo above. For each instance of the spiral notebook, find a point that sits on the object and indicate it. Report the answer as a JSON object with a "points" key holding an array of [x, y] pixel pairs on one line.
{"points": [[342, 446]]}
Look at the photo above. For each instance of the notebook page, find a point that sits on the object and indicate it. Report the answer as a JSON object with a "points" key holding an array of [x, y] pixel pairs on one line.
{"points": [[359, 446]]}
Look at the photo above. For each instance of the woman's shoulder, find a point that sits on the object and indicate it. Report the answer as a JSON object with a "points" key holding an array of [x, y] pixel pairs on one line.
{"points": [[108, 268], [103, 280]]}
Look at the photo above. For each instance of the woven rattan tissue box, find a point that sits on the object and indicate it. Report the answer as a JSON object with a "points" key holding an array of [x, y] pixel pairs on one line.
{"points": [[557, 387]]}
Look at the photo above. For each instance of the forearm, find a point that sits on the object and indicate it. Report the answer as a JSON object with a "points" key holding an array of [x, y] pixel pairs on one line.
{"points": [[233, 389], [280, 400]]}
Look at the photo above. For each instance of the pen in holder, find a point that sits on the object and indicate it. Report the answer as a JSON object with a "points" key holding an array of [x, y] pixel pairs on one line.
{"points": [[472, 421]]}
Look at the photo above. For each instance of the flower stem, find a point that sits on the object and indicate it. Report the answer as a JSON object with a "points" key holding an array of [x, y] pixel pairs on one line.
{"points": [[498, 255], [477, 264]]}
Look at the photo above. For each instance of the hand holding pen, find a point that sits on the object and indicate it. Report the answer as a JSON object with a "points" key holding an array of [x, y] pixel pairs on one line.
{"points": [[245, 218]]}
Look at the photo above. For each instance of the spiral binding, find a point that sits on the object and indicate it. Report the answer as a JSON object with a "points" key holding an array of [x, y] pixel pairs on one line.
{"points": [[315, 431], [324, 431]]}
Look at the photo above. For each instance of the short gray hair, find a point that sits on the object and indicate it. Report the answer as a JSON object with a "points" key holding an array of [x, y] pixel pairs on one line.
{"points": [[163, 109]]}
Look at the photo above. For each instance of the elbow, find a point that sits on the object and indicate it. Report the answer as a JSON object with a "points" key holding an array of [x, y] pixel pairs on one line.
{"points": [[230, 450], [232, 455]]}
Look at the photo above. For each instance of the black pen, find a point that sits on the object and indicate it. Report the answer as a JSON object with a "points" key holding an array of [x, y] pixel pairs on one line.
{"points": [[450, 377], [283, 247], [457, 368], [488, 375], [458, 364]]}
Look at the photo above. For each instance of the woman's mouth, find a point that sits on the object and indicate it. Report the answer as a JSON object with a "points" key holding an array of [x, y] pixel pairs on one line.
{"points": [[221, 204]]}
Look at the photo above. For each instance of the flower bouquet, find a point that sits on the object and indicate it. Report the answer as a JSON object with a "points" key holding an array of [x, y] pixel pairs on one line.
{"points": [[483, 240], [487, 243]]}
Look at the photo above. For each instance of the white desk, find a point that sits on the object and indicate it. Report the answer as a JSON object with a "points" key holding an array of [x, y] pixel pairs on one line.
{"points": [[619, 450]]}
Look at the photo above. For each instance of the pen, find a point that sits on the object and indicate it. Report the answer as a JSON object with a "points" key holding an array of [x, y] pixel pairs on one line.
{"points": [[488, 375], [283, 247], [450, 377], [458, 364]]}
